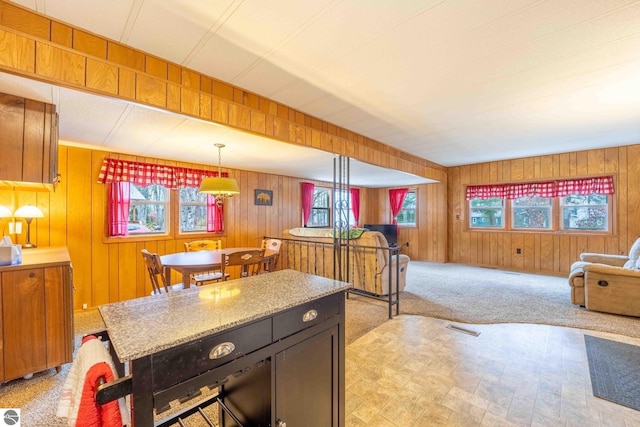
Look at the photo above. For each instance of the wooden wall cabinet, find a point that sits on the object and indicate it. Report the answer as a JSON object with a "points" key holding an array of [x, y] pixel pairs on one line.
{"points": [[36, 321], [29, 136]]}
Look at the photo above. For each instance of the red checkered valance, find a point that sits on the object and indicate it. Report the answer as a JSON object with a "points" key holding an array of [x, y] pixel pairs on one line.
{"points": [[114, 170], [557, 188]]}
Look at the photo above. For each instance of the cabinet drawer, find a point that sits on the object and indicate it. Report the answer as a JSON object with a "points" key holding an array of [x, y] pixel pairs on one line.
{"points": [[305, 316], [186, 361]]}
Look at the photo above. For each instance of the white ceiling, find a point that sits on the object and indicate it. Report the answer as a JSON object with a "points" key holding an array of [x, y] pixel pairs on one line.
{"points": [[454, 82]]}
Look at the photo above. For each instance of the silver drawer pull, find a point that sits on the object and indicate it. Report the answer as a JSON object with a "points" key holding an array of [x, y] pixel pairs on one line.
{"points": [[221, 350], [309, 316]]}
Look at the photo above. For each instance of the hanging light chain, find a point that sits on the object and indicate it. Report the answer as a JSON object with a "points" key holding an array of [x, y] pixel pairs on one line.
{"points": [[220, 147]]}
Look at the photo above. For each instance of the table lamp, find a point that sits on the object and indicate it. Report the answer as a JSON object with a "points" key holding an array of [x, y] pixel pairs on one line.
{"points": [[5, 212], [28, 212]]}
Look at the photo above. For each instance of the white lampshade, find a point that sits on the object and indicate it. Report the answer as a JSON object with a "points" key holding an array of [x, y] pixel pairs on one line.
{"points": [[28, 211], [5, 212]]}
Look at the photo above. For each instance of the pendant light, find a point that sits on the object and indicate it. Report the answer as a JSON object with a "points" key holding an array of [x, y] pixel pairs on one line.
{"points": [[219, 187]]}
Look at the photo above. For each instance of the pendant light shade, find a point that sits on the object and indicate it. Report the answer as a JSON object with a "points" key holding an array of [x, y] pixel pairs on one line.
{"points": [[219, 187]]}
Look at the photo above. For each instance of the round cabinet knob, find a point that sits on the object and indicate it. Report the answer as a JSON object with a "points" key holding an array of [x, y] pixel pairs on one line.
{"points": [[221, 350], [309, 316]]}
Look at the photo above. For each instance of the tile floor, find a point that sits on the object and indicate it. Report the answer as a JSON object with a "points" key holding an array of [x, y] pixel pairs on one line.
{"points": [[413, 371]]}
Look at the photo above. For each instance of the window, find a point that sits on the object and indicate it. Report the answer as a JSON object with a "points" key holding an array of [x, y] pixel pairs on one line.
{"points": [[341, 199], [585, 212], [532, 212], [486, 213], [407, 215], [570, 213], [193, 211], [320, 208], [321, 212], [148, 209]]}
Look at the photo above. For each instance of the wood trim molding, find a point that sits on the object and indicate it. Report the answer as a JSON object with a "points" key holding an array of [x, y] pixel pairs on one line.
{"points": [[37, 47]]}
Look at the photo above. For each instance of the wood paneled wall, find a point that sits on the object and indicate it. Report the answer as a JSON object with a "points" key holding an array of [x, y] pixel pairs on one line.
{"points": [[545, 252], [75, 216], [35, 46], [428, 239]]}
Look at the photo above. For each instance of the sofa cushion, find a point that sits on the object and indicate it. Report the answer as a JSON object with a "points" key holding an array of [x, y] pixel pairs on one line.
{"points": [[310, 232], [576, 276], [634, 252]]}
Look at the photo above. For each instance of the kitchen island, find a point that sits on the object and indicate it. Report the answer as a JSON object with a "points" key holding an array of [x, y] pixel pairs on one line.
{"points": [[272, 345]]}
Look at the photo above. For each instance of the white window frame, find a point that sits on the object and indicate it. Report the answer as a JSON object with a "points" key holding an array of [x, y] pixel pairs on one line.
{"points": [[404, 209], [182, 204], [549, 208], [167, 210]]}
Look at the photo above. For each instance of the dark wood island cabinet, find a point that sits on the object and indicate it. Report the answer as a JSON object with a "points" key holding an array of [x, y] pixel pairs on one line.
{"points": [[271, 345]]}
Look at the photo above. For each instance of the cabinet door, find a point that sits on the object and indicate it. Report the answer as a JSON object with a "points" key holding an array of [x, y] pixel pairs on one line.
{"points": [[11, 135], [23, 315], [306, 382], [58, 315]]}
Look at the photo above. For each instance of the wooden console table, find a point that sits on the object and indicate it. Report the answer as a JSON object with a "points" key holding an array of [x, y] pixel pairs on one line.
{"points": [[36, 313]]}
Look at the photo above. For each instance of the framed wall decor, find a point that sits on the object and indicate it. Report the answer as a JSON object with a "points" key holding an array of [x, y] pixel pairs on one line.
{"points": [[263, 197]]}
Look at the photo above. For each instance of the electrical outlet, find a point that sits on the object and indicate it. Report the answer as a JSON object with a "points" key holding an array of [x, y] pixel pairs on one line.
{"points": [[84, 306], [518, 250]]}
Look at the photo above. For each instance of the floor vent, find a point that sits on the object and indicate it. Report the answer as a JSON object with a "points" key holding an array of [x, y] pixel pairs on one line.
{"points": [[463, 330]]}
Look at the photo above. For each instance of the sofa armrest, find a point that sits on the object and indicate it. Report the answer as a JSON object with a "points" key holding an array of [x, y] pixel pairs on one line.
{"points": [[615, 260], [611, 270]]}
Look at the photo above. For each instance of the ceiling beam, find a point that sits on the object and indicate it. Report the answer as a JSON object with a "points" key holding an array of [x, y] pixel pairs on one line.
{"points": [[37, 47]]}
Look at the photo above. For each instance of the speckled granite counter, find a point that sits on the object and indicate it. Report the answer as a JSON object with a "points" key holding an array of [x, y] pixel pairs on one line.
{"points": [[147, 325]]}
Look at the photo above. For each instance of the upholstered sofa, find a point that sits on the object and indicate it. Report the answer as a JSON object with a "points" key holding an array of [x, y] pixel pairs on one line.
{"points": [[311, 250], [607, 283]]}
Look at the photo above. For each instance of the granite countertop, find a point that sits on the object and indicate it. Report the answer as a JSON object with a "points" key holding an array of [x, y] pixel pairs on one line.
{"points": [[144, 326]]}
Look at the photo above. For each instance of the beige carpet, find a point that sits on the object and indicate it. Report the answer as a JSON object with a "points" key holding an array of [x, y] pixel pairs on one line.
{"points": [[447, 291], [481, 295]]}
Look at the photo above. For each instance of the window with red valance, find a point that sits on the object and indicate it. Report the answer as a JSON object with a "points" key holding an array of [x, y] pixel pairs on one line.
{"points": [[578, 204], [121, 206]]}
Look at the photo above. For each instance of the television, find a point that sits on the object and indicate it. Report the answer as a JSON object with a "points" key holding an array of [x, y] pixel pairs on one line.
{"points": [[390, 231]]}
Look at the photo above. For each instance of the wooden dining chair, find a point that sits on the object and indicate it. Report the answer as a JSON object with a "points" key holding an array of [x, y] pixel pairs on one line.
{"points": [[249, 261], [204, 245], [156, 274], [269, 264]]}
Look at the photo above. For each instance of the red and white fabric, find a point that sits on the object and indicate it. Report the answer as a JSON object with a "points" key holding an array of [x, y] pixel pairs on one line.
{"points": [[143, 174], [558, 188], [77, 400]]}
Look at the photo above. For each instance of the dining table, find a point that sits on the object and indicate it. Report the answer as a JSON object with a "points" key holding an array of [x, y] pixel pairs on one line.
{"points": [[188, 263]]}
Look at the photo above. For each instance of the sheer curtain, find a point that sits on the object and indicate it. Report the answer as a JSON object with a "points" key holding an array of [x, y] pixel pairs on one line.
{"points": [[355, 204], [118, 212], [396, 199], [215, 215], [306, 189]]}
